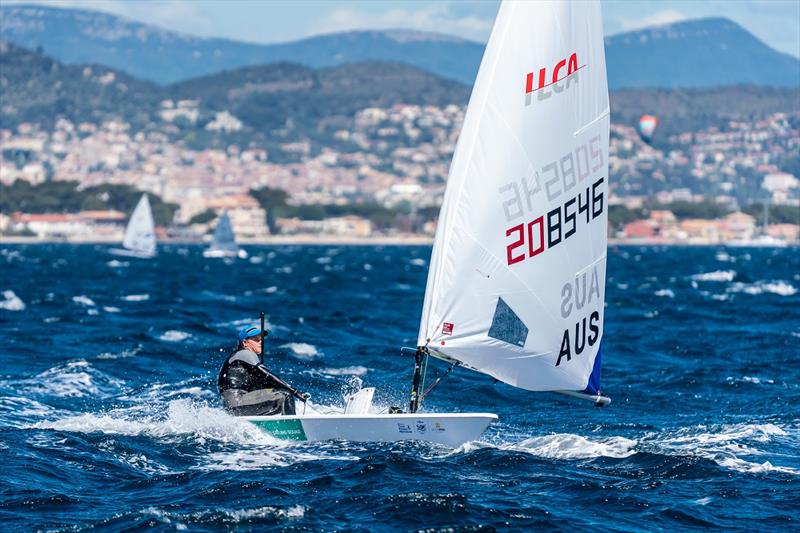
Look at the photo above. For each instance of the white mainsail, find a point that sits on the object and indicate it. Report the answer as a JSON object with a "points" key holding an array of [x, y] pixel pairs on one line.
{"points": [[224, 241], [516, 285], [140, 236]]}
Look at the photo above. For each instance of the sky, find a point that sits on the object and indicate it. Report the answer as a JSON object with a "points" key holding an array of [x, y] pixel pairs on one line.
{"points": [[776, 22]]}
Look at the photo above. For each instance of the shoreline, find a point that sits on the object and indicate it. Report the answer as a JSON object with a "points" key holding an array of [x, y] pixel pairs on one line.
{"points": [[386, 240]]}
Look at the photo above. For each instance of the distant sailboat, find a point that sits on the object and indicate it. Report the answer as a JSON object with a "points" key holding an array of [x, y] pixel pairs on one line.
{"points": [[140, 235], [224, 243]]}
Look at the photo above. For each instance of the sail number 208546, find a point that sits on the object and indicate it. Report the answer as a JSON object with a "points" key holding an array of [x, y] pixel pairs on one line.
{"points": [[533, 236]]}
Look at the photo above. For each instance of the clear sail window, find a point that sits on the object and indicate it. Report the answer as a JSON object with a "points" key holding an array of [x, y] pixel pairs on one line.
{"points": [[507, 326]]}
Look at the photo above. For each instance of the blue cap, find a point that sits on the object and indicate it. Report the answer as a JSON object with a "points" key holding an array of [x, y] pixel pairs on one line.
{"points": [[248, 332]]}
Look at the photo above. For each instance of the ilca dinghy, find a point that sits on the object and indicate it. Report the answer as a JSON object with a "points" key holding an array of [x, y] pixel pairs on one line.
{"points": [[140, 235], [224, 241], [516, 285]]}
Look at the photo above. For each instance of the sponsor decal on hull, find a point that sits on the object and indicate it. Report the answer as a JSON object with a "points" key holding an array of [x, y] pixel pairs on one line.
{"points": [[283, 429]]}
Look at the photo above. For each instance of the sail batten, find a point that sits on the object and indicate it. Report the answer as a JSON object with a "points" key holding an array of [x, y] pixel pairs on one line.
{"points": [[516, 285]]}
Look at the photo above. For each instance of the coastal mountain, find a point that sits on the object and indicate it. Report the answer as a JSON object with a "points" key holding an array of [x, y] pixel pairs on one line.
{"points": [[37, 88], [163, 56], [697, 53]]}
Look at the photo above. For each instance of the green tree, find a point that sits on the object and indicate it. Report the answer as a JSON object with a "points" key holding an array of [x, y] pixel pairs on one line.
{"points": [[273, 201]]}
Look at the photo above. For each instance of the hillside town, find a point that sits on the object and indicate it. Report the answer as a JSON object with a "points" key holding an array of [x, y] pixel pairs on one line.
{"points": [[398, 158]]}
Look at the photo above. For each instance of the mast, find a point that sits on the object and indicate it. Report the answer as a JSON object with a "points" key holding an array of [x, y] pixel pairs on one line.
{"points": [[516, 285]]}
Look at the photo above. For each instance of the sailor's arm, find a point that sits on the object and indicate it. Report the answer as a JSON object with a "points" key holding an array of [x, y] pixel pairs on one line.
{"points": [[303, 396]]}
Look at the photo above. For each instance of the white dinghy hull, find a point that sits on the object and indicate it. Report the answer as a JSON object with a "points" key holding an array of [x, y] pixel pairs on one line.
{"points": [[449, 429]]}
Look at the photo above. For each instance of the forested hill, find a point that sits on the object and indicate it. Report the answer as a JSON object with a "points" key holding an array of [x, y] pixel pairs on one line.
{"points": [[37, 89]]}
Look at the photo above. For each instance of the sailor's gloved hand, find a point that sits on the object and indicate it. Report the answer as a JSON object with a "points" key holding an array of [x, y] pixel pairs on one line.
{"points": [[304, 396]]}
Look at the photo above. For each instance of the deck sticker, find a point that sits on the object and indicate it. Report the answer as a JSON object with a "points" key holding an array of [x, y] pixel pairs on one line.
{"points": [[404, 428], [291, 429]]}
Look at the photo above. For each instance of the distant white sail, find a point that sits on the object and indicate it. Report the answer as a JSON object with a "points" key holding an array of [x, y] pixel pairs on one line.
{"points": [[224, 241], [140, 236], [517, 278]]}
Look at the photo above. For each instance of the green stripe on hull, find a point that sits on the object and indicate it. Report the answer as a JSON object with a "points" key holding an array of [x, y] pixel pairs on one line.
{"points": [[283, 429]]}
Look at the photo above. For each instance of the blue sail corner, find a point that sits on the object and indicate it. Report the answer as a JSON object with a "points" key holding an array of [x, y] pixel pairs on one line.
{"points": [[593, 387]]}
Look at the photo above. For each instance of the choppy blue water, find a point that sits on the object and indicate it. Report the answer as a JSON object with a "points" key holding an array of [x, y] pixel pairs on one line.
{"points": [[110, 417]]}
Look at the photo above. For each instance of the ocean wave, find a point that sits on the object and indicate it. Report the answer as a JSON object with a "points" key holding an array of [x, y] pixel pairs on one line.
{"points": [[120, 355], [173, 335], [117, 264], [136, 297], [17, 411], [83, 300], [781, 288], [219, 517], [301, 348], [182, 417], [750, 379], [665, 292], [726, 445], [74, 379], [717, 275], [11, 302], [566, 446], [346, 371]]}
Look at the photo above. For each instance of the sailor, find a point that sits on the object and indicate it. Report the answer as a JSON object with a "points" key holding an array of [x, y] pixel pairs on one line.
{"points": [[247, 387]]}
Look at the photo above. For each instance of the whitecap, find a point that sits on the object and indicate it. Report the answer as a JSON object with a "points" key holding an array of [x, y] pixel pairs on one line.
{"points": [[120, 355], [18, 410], [418, 262], [173, 335], [297, 511], [346, 371], [564, 446], [117, 264], [750, 379], [569, 446], [136, 297], [781, 288], [324, 260], [726, 445], [110, 309], [11, 302], [181, 417], [83, 300], [717, 275], [256, 259], [302, 348], [665, 292], [72, 380]]}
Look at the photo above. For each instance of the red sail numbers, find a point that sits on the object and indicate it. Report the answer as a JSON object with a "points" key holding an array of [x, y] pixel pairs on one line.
{"points": [[556, 76]]}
